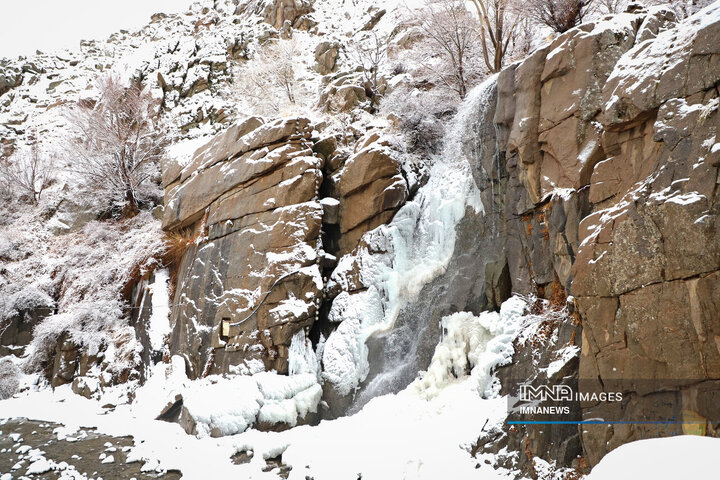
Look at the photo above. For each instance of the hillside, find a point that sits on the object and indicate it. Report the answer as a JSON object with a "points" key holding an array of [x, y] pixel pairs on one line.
{"points": [[335, 258]]}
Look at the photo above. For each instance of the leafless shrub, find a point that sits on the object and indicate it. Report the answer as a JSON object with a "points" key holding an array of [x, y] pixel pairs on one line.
{"points": [[371, 53], [118, 143], [452, 30], [267, 82], [559, 15], [27, 173], [498, 25]]}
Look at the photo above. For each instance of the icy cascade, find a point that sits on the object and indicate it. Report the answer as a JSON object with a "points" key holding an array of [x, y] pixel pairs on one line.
{"points": [[419, 245], [473, 345], [425, 431]]}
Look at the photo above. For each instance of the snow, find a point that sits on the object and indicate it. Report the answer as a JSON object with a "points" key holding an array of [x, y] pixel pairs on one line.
{"points": [[39, 465], [160, 319], [422, 431], [230, 405], [565, 354], [682, 456], [426, 428]]}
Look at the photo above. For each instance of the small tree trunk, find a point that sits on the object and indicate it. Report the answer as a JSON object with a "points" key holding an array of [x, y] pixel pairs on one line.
{"points": [[131, 206]]}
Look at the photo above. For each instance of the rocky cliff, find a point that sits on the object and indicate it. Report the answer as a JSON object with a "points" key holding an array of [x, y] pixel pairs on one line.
{"points": [[582, 178], [596, 162], [605, 175]]}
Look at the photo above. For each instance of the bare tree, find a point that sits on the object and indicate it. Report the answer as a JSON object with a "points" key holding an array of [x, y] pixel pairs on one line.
{"points": [[453, 30], [371, 54], [27, 172], [120, 144], [268, 80], [559, 15], [497, 28]]}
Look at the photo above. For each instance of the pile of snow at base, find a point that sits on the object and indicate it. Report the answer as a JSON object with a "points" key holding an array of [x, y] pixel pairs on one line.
{"points": [[684, 456], [228, 405], [417, 247]]}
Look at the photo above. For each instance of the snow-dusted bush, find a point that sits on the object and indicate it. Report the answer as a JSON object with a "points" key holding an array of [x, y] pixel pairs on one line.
{"points": [[268, 84], [558, 15], [9, 378], [89, 325], [27, 173], [27, 298], [420, 115], [87, 271]]}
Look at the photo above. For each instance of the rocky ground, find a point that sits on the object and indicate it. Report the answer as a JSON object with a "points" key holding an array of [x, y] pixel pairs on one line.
{"points": [[47, 451]]}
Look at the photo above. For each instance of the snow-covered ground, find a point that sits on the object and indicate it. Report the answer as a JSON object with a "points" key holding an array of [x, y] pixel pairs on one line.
{"points": [[423, 432], [683, 456]]}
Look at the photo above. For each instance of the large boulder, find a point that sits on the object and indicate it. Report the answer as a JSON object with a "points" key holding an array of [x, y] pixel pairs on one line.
{"points": [[252, 278], [326, 54], [278, 12], [371, 188], [10, 77]]}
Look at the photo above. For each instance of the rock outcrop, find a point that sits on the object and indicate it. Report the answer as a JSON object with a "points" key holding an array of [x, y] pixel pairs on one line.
{"points": [[250, 279], [9, 77], [279, 12], [326, 55], [604, 187], [371, 187]]}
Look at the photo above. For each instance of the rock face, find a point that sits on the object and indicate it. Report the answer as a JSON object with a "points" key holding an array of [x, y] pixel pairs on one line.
{"points": [[251, 279], [371, 187], [248, 204], [646, 274], [603, 187], [9, 78], [326, 54], [278, 12]]}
